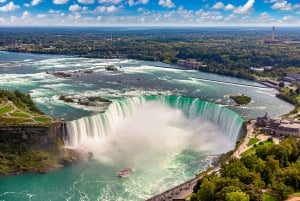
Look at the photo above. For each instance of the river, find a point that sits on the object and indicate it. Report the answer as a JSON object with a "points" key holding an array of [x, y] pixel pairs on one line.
{"points": [[159, 139]]}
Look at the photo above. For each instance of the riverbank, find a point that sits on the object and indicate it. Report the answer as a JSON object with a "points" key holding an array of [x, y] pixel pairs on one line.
{"points": [[220, 95], [64, 158], [185, 189]]}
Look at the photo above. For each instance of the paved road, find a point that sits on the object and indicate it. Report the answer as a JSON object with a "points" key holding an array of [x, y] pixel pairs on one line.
{"points": [[244, 146], [177, 192]]}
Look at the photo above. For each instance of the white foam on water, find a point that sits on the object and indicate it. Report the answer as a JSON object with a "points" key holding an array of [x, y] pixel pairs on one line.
{"points": [[264, 92], [149, 69]]}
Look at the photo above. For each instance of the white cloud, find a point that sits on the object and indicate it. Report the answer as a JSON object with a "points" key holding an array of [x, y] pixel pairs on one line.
{"points": [[41, 16], [106, 9], [85, 8], [111, 9], [284, 5], [143, 1], [86, 1], [231, 18], [13, 19], [289, 20], [9, 7], [133, 3], [229, 7], [140, 9], [60, 1], [2, 1], [218, 5], [245, 8], [186, 14], [25, 16], [101, 9], [110, 1], [74, 8], [77, 16], [166, 3], [35, 2], [51, 11], [266, 18], [3, 20]]}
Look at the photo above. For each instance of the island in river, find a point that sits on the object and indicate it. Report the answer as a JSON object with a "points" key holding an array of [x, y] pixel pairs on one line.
{"points": [[241, 99]]}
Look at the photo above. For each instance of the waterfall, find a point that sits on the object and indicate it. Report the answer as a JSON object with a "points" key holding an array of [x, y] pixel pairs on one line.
{"points": [[101, 124]]}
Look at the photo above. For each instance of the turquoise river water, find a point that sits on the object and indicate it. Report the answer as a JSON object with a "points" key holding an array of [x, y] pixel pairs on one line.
{"points": [[166, 123]]}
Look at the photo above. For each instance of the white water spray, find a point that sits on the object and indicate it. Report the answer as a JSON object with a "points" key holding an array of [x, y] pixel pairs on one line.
{"points": [[149, 126]]}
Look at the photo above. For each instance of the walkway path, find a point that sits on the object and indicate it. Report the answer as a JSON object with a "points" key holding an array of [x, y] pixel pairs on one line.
{"points": [[177, 192], [16, 109], [244, 146], [250, 134], [293, 198]]}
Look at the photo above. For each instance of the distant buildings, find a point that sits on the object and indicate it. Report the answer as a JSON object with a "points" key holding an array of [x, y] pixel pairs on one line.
{"points": [[272, 37], [190, 63], [278, 127], [293, 78], [261, 69]]}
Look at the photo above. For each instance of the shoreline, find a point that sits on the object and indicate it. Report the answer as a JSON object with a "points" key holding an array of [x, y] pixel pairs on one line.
{"points": [[181, 185], [69, 157]]}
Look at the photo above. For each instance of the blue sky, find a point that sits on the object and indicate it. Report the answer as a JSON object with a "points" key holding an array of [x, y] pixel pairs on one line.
{"points": [[149, 12]]}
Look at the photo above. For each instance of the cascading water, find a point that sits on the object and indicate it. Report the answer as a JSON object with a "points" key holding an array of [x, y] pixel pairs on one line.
{"points": [[100, 125]]}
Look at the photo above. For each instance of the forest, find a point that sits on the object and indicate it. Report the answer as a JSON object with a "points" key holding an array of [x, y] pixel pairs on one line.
{"points": [[273, 169], [228, 51]]}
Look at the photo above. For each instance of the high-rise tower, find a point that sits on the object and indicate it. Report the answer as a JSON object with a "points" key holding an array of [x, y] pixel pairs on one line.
{"points": [[273, 34]]}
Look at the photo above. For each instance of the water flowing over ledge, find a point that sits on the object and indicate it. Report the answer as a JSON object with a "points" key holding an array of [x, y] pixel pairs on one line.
{"points": [[102, 124]]}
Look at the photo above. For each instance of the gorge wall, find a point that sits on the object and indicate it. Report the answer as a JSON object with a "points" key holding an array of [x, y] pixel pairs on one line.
{"points": [[38, 137]]}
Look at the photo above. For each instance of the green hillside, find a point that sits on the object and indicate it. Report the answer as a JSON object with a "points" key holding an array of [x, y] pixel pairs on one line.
{"points": [[18, 108]]}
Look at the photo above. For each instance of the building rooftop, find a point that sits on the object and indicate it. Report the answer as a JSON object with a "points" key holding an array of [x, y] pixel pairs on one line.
{"points": [[294, 75], [290, 125]]}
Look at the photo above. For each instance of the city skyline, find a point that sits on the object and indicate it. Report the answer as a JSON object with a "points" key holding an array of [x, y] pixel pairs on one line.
{"points": [[149, 13]]}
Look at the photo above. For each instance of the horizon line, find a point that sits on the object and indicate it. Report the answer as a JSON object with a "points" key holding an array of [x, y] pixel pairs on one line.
{"points": [[149, 26]]}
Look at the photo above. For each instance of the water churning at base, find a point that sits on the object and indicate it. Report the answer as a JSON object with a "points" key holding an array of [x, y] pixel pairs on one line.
{"points": [[102, 124]]}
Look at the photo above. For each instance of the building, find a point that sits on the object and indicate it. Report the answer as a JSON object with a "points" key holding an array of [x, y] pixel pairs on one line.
{"points": [[278, 127], [293, 78], [191, 63], [268, 68], [290, 129]]}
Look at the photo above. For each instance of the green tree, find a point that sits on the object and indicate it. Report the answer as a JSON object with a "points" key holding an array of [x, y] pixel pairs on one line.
{"points": [[282, 190], [207, 191], [237, 196], [221, 195]]}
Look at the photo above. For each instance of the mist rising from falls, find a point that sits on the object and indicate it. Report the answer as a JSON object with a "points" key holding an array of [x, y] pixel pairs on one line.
{"points": [[155, 126]]}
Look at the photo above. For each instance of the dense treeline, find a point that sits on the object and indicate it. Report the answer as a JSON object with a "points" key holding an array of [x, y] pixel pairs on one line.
{"points": [[20, 99], [274, 168], [224, 51]]}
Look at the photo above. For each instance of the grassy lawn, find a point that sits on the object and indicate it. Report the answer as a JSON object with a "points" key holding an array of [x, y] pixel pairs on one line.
{"points": [[249, 152], [19, 114], [252, 141], [253, 149], [6, 109], [268, 197], [42, 119]]}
